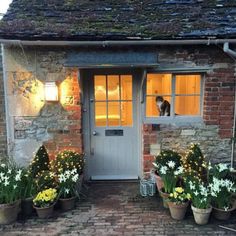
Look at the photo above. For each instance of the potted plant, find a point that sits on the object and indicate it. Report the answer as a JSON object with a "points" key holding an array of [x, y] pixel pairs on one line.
{"points": [[222, 188], [201, 199], [68, 189], [169, 168], [178, 202], [161, 160], [69, 160], [194, 162], [10, 186], [28, 191], [44, 202]]}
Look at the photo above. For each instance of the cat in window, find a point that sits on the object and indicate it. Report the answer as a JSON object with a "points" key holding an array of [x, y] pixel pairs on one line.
{"points": [[163, 106]]}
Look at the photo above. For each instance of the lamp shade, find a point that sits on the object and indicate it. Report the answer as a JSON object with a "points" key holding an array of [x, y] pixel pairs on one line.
{"points": [[51, 91]]}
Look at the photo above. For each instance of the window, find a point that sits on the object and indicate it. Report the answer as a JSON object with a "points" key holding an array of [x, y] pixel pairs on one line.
{"points": [[113, 100], [173, 95]]}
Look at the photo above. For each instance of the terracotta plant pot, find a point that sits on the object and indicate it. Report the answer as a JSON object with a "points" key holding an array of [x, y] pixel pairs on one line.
{"points": [[164, 198], [159, 181], [9, 212], [44, 212], [221, 214], [201, 216], [67, 203], [178, 211], [27, 206]]}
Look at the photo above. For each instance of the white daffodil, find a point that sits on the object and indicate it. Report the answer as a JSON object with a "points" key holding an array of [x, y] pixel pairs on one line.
{"points": [[171, 164], [6, 183], [195, 193], [222, 167], [75, 178], [67, 190], [14, 186], [3, 165], [9, 171], [163, 170]]}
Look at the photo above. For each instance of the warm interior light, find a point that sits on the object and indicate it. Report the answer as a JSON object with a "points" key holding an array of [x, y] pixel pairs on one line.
{"points": [[51, 91]]}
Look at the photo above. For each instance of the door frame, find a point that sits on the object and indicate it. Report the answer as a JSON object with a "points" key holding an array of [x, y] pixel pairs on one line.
{"points": [[84, 76]]}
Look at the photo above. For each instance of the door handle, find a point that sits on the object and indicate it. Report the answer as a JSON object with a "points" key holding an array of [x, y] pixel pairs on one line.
{"points": [[95, 133]]}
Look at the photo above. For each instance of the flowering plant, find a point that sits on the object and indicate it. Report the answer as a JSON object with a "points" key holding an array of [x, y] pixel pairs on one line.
{"points": [[67, 183], [10, 183], [222, 186], [45, 198], [68, 160], [168, 165], [200, 194], [194, 162], [179, 196], [45, 179]]}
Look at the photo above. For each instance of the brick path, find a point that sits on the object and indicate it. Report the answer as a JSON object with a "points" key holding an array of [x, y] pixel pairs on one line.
{"points": [[115, 209]]}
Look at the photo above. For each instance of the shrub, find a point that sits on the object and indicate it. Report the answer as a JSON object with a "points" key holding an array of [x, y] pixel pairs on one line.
{"points": [[40, 162], [68, 160]]}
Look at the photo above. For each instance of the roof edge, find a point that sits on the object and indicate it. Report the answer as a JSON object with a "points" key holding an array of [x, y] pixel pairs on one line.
{"points": [[117, 42]]}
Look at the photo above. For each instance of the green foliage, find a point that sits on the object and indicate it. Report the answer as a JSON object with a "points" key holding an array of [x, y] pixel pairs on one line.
{"points": [[194, 162], [68, 160], [28, 183], [164, 157], [168, 165], [10, 183], [45, 180], [199, 191], [40, 162]]}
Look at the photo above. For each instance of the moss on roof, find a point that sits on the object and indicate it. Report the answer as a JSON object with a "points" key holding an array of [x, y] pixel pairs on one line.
{"points": [[119, 19]]}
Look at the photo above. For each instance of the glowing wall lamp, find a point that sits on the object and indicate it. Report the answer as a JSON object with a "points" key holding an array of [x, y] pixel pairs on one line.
{"points": [[51, 92]]}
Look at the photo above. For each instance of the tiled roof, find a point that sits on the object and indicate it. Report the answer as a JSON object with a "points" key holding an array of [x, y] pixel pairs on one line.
{"points": [[119, 19]]}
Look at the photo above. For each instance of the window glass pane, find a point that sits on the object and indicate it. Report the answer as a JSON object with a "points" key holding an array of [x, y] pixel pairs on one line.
{"points": [[126, 114], [188, 84], [113, 113], [126, 87], [159, 84], [100, 114], [100, 87], [113, 87], [187, 105]]}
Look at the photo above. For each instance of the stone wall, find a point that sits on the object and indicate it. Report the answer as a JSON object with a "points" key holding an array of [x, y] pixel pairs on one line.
{"points": [[3, 135], [32, 121]]}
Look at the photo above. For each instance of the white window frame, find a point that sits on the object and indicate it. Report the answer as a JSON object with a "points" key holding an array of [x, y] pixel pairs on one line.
{"points": [[172, 119]]}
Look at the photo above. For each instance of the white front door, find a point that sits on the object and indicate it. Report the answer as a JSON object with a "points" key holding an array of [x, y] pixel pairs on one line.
{"points": [[114, 134]]}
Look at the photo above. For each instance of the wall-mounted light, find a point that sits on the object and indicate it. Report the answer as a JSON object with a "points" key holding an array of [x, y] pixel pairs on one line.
{"points": [[51, 92]]}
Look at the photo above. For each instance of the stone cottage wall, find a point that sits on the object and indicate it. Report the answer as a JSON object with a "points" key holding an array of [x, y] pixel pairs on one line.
{"points": [[215, 132], [3, 136], [33, 122], [58, 125]]}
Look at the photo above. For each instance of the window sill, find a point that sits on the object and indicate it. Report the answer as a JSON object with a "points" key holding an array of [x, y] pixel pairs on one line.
{"points": [[177, 120]]}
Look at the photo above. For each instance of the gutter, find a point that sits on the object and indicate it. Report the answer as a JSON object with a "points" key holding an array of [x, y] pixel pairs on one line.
{"points": [[118, 42], [232, 53]]}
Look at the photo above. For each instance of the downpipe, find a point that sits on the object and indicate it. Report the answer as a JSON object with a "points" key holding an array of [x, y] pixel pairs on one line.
{"points": [[232, 53]]}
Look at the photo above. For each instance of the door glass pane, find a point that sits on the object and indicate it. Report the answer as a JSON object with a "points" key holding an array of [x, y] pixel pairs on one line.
{"points": [[188, 84], [126, 87], [187, 105], [126, 114], [100, 114], [100, 87], [113, 113], [113, 87], [158, 84]]}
